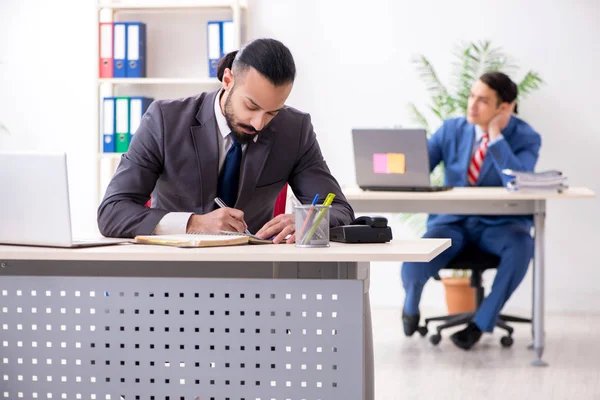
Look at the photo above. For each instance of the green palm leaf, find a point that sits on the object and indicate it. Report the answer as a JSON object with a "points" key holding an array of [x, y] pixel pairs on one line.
{"points": [[418, 117], [532, 81], [465, 73], [416, 223], [441, 102], [429, 76]]}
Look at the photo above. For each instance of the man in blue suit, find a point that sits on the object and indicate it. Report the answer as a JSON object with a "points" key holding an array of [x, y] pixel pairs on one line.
{"points": [[474, 151]]}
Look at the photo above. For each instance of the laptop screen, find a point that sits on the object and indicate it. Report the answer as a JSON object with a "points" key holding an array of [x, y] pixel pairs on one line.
{"points": [[35, 203], [391, 158]]}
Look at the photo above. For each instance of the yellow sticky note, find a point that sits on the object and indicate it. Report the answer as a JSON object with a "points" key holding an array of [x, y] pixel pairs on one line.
{"points": [[396, 163]]}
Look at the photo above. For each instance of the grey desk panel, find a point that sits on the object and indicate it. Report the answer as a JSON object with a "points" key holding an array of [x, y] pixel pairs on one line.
{"points": [[289, 270], [180, 338]]}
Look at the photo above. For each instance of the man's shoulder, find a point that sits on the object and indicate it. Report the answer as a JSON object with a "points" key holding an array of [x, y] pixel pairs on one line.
{"points": [[289, 121], [457, 123], [454, 126], [180, 105], [292, 114], [523, 127]]}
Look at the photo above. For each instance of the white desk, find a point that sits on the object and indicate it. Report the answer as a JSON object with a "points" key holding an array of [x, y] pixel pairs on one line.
{"points": [[244, 322], [479, 201]]}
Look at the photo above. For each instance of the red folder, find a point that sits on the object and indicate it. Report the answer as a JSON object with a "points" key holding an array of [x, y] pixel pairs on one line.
{"points": [[106, 49]]}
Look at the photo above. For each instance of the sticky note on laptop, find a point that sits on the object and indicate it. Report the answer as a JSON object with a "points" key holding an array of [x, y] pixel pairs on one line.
{"points": [[380, 163], [389, 163]]}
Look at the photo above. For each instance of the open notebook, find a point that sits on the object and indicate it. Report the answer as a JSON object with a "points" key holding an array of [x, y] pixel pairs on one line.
{"points": [[202, 239]]}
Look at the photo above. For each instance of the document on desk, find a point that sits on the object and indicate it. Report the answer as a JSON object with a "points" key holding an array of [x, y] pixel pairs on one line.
{"points": [[192, 240], [253, 239], [223, 238]]}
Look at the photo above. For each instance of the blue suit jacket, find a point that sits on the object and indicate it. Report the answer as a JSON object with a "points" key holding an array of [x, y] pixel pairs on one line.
{"points": [[453, 143]]}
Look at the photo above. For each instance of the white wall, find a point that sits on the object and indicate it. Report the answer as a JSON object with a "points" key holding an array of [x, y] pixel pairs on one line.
{"points": [[353, 70], [47, 87]]}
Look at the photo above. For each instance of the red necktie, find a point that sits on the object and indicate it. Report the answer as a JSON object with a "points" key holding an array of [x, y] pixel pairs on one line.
{"points": [[477, 160]]}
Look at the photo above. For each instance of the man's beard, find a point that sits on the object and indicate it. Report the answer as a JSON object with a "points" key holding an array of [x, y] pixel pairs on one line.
{"points": [[241, 137]]}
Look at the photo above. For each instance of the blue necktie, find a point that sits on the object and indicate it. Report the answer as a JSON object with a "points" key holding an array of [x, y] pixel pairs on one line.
{"points": [[230, 173]]}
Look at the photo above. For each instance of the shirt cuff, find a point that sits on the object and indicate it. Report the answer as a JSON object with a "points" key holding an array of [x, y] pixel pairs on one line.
{"points": [[496, 139], [173, 223]]}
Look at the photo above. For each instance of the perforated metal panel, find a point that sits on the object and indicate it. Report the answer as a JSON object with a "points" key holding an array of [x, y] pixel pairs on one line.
{"points": [[180, 338]]}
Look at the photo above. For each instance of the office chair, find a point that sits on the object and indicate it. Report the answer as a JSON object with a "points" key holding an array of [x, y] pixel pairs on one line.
{"points": [[280, 202], [477, 261]]}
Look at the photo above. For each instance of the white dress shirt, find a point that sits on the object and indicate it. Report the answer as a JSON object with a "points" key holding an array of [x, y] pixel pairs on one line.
{"points": [[176, 222]]}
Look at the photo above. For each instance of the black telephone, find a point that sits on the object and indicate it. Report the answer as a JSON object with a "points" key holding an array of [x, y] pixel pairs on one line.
{"points": [[363, 229]]}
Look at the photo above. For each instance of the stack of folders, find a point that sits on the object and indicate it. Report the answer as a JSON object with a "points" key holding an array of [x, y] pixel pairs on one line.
{"points": [[220, 41], [122, 50], [121, 117], [546, 180]]}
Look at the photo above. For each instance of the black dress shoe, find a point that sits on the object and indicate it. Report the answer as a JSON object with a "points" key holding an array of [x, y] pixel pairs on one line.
{"points": [[410, 323], [466, 338]]}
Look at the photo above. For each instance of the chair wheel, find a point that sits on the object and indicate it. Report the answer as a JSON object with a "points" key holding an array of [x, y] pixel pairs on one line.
{"points": [[423, 331], [506, 341], [435, 339]]}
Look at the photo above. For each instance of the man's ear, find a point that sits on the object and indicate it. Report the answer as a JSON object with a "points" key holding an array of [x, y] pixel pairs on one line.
{"points": [[228, 79], [506, 107]]}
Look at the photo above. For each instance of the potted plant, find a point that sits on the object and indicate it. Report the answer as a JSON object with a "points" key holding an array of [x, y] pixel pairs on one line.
{"points": [[471, 60]]}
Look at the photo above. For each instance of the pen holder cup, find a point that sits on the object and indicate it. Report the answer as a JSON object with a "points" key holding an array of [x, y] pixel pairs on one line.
{"points": [[312, 225]]}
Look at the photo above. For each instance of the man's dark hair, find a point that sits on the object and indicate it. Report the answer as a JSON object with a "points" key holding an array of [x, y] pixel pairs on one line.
{"points": [[504, 87], [269, 57]]}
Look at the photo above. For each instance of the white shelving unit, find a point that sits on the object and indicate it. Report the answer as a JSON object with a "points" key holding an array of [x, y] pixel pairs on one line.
{"points": [[159, 81], [170, 20], [169, 5]]}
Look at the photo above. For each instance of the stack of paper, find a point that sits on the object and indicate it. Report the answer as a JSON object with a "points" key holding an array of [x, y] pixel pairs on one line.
{"points": [[545, 180]]}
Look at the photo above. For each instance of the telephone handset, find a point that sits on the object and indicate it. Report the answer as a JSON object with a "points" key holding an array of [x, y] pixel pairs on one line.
{"points": [[374, 222], [365, 229]]}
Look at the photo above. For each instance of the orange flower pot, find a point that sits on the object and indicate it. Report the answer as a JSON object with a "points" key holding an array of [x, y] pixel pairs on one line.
{"points": [[460, 296]]}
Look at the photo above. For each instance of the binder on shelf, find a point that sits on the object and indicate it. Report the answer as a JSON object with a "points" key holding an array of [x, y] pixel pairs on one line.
{"points": [[122, 135], [108, 125], [106, 50], [136, 49], [228, 38], [137, 108], [119, 50], [214, 47], [221, 41]]}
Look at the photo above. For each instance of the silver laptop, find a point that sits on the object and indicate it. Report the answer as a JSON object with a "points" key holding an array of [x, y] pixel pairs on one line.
{"points": [[34, 202], [392, 160]]}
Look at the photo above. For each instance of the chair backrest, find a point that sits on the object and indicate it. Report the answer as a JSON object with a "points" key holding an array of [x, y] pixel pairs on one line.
{"points": [[280, 202]]}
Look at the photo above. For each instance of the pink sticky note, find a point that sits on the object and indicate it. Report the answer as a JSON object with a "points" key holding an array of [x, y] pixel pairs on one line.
{"points": [[380, 163]]}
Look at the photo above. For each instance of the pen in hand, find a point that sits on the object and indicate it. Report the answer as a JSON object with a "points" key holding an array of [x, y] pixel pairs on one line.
{"points": [[221, 204]]}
